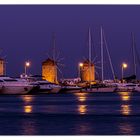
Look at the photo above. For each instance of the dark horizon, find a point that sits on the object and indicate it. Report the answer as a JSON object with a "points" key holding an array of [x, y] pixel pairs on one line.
{"points": [[26, 34]]}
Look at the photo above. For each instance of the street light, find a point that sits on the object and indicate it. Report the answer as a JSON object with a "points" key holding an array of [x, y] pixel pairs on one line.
{"points": [[80, 65], [27, 64], [124, 66]]}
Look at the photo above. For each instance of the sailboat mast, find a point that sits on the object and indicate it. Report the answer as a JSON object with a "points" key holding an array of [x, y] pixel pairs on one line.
{"points": [[102, 65], [133, 51], [89, 55], [54, 47], [54, 55], [109, 57]]}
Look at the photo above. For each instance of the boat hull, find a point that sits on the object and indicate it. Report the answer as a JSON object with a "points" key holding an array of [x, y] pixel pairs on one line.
{"points": [[55, 90], [101, 89], [70, 89], [15, 89]]}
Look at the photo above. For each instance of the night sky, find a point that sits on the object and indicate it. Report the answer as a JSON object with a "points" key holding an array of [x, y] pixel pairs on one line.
{"points": [[26, 34]]}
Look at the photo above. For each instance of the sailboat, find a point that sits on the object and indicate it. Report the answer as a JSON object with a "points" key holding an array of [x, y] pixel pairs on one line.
{"points": [[101, 86], [132, 85]]}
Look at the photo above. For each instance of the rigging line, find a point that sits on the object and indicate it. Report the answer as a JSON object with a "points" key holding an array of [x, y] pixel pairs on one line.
{"points": [[89, 55], [137, 55], [109, 57], [54, 54], [54, 47], [133, 51], [102, 65]]}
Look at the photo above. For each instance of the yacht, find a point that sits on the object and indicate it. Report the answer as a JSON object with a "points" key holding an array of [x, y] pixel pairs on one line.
{"points": [[14, 86], [131, 87], [44, 86]]}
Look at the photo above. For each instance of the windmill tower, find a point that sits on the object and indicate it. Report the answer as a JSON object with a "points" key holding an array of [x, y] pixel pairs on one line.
{"points": [[87, 71], [50, 66], [1, 66], [49, 70]]}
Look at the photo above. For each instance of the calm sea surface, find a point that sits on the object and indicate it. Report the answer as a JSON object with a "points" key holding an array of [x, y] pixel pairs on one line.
{"points": [[70, 114]]}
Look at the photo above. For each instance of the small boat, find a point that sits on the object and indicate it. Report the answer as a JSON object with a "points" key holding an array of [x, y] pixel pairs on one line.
{"points": [[100, 88], [70, 89], [131, 87], [14, 86], [137, 88], [121, 87], [44, 86]]}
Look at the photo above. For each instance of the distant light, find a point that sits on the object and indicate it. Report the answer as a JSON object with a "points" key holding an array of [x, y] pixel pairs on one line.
{"points": [[27, 64], [124, 65], [81, 64]]}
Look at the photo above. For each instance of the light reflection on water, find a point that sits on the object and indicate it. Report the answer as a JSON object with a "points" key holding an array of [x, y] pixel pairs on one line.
{"points": [[125, 96], [125, 106], [28, 127], [126, 128], [82, 109], [125, 110], [81, 97], [28, 99], [28, 109], [83, 128], [99, 113]]}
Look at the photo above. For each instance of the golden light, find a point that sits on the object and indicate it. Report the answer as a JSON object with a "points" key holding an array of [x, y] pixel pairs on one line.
{"points": [[82, 98], [27, 98], [28, 109], [125, 109], [126, 128], [81, 64], [125, 96], [27, 64], [124, 65], [82, 109]]}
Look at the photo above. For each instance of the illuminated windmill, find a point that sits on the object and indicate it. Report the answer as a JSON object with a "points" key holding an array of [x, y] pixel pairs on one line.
{"points": [[87, 67], [50, 66], [2, 65]]}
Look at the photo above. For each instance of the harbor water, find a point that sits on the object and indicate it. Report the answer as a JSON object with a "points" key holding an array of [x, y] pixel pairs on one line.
{"points": [[70, 114]]}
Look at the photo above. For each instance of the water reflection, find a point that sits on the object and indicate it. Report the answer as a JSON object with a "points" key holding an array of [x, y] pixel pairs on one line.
{"points": [[28, 126], [83, 128], [125, 109], [125, 96], [28, 109], [81, 96], [126, 128], [82, 109], [27, 98]]}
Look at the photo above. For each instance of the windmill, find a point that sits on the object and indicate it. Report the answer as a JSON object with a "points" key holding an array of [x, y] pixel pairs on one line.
{"points": [[52, 64]]}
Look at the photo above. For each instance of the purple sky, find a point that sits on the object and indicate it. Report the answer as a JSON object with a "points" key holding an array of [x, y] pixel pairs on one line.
{"points": [[26, 34]]}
